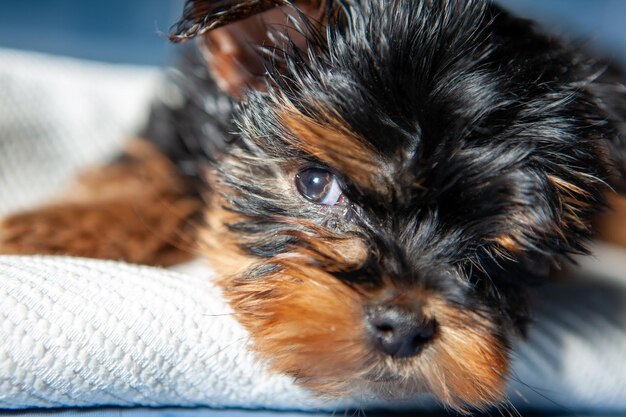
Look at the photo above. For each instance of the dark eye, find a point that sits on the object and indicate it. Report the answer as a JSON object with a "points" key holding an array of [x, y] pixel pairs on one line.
{"points": [[319, 186]]}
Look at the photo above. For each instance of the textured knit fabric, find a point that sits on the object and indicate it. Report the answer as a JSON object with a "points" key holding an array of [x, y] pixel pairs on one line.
{"points": [[59, 114], [82, 332], [76, 332]]}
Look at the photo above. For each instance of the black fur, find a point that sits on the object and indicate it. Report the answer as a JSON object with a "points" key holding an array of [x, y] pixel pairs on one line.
{"points": [[475, 105], [188, 110]]}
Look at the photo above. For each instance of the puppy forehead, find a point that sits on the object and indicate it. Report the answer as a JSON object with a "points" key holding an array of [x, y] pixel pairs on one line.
{"points": [[384, 154], [371, 115], [385, 104]]}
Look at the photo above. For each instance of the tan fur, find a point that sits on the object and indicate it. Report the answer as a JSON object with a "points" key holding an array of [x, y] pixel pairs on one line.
{"points": [[135, 210], [297, 317], [508, 243], [335, 145], [467, 366], [611, 226], [216, 244], [571, 203], [298, 313], [513, 241]]}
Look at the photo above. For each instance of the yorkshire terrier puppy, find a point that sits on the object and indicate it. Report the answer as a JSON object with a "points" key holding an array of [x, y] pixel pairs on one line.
{"points": [[377, 182]]}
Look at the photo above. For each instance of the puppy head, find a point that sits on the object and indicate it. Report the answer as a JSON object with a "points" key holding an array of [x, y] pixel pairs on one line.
{"points": [[397, 183]]}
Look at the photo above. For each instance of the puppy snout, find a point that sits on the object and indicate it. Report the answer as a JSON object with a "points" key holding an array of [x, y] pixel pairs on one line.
{"points": [[399, 331]]}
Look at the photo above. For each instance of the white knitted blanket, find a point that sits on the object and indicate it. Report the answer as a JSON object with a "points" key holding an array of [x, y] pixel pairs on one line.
{"points": [[76, 332]]}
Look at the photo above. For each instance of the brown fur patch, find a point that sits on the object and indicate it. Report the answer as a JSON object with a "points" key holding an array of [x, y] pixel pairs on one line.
{"points": [[611, 225], [570, 199], [305, 323], [508, 243], [138, 231], [140, 171], [135, 210], [468, 365], [218, 245], [308, 324], [572, 211], [513, 242], [334, 144]]}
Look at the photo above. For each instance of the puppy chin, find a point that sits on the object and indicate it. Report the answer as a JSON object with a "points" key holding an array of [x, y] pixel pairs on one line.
{"points": [[309, 325], [393, 387], [432, 375]]}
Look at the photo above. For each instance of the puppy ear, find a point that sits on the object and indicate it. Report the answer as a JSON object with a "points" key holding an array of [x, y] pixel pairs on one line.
{"points": [[233, 31], [200, 16]]}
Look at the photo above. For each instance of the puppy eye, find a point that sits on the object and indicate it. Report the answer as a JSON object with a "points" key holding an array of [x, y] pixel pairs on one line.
{"points": [[319, 186]]}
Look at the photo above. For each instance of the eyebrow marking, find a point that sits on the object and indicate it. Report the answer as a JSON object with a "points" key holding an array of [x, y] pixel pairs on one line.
{"points": [[334, 144]]}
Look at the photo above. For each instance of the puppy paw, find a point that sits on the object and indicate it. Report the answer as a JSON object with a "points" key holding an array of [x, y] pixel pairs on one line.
{"points": [[133, 232], [21, 234], [66, 230]]}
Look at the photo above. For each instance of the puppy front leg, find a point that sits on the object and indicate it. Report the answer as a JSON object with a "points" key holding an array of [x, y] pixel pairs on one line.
{"points": [[136, 209]]}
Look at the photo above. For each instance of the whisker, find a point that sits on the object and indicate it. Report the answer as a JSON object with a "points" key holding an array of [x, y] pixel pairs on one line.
{"points": [[542, 395], [223, 348]]}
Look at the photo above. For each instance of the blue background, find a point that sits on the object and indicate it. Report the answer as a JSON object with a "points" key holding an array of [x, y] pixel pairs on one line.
{"points": [[132, 31]]}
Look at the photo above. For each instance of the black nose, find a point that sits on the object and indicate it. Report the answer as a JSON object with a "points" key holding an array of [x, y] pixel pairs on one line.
{"points": [[398, 331]]}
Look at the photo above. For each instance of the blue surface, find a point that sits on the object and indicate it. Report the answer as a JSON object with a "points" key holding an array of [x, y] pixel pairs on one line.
{"points": [[203, 412], [132, 30], [128, 31], [602, 23], [156, 412]]}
